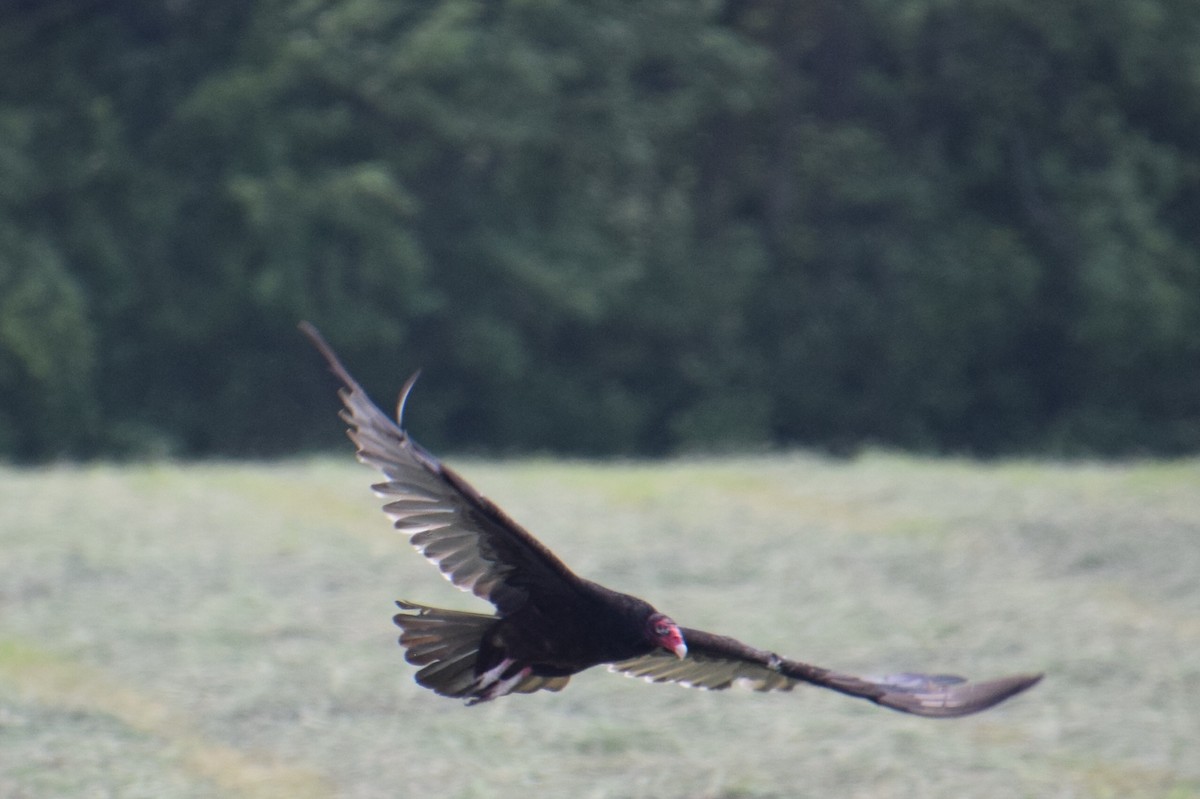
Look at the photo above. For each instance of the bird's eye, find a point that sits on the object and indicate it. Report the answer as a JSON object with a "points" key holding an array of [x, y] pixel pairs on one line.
{"points": [[662, 629]]}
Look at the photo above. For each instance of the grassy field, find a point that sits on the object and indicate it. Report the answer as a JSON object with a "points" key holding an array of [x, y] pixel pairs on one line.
{"points": [[224, 631]]}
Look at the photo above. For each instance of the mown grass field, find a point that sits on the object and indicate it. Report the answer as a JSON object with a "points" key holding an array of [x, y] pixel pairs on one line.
{"points": [[216, 630]]}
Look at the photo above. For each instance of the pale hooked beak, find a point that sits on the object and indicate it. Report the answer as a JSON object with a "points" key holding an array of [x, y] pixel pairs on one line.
{"points": [[680, 650]]}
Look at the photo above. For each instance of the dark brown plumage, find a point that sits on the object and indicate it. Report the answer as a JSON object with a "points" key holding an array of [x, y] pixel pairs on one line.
{"points": [[551, 623]]}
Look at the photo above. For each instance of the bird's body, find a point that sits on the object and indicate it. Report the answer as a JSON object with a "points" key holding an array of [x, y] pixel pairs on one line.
{"points": [[544, 647], [550, 623]]}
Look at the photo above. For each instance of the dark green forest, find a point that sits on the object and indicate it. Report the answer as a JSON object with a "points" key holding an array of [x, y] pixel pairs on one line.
{"points": [[965, 226]]}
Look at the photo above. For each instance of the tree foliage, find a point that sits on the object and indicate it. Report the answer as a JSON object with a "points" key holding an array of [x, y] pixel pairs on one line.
{"points": [[954, 225]]}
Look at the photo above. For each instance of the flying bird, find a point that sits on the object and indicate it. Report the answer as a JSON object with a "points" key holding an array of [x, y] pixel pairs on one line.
{"points": [[549, 622]]}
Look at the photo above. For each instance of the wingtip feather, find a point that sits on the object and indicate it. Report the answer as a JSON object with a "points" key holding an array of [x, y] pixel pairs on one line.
{"points": [[403, 398], [952, 700], [335, 365]]}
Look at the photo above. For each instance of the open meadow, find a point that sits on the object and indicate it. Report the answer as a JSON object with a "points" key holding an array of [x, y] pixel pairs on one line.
{"points": [[224, 630]]}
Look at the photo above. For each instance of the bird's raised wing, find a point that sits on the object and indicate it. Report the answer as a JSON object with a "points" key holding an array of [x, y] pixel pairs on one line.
{"points": [[716, 662], [474, 543]]}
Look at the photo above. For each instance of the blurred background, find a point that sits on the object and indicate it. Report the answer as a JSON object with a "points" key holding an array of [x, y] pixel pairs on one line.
{"points": [[964, 227]]}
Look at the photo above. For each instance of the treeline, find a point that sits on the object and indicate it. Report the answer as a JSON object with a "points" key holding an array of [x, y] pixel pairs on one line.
{"points": [[602, 227]]}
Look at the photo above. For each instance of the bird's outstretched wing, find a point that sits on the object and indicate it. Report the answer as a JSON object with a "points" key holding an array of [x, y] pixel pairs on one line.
{"points": [[474, 543], [716, 662]]}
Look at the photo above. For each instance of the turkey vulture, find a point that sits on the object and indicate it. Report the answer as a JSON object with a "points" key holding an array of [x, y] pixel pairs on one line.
{"points": [[551, 623]]}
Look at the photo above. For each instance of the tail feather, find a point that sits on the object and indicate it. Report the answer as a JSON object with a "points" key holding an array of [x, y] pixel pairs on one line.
{"points": [[445, 644], [455, 677], [426, 645]]}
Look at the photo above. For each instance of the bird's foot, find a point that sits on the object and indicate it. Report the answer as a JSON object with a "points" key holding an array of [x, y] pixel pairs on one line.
{"points": [[497, 682]]}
